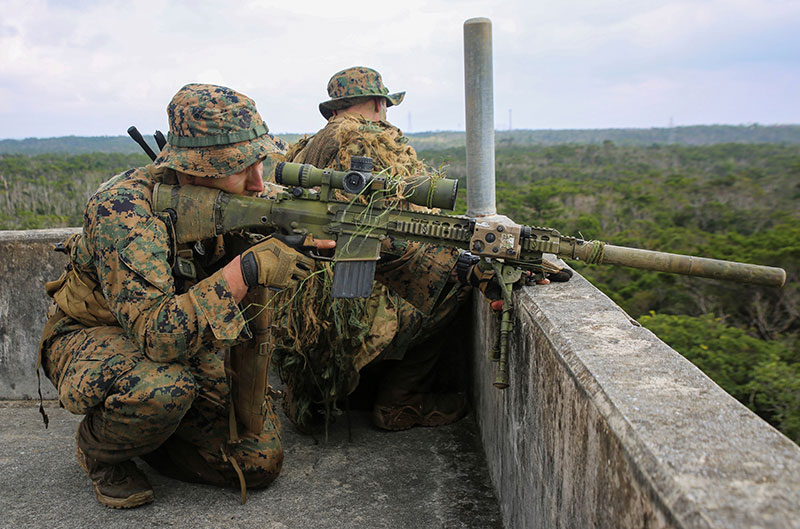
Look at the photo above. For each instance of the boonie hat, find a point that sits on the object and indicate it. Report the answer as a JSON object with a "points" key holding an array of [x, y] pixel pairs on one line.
{"points": [[214, 132], [349, 86]]}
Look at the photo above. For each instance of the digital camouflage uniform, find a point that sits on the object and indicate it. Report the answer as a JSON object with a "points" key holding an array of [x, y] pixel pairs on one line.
{"points": [[386, 326], [138, 348]]}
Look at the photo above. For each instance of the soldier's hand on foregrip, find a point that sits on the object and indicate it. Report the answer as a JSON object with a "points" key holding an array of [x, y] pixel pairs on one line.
{"points": [[470, 272], [486, 282], [271, 263]]}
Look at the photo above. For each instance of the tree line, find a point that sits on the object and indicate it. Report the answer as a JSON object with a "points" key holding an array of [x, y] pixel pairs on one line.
{"points": [[688, 135]]}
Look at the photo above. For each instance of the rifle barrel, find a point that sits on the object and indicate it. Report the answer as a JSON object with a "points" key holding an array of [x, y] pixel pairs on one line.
{"points": [[675, 263]]}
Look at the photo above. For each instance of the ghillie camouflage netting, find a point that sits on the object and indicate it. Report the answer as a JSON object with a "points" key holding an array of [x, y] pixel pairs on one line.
{"points": [[321, 342]]}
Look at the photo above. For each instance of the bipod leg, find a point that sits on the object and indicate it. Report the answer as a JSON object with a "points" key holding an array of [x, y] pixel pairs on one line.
{"points": [[506, 276], [494, 352]]}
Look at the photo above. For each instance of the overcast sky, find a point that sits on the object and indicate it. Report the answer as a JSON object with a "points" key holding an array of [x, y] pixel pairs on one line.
{"points": [[96, 67]]}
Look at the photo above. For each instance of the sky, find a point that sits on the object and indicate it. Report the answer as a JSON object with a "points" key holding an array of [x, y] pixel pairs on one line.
{"points": [[93, 68]]}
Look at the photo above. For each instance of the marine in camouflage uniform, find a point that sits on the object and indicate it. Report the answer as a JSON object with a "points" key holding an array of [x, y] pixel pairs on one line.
{"points": [[136, 343], [385, 327]]}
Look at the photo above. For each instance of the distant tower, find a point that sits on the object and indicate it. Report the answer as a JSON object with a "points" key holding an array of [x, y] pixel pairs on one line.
{"points": [[509, 120], [409, 123]]}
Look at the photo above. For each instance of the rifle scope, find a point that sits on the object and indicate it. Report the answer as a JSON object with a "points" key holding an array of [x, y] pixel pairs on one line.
{"points": [[420, 190]]}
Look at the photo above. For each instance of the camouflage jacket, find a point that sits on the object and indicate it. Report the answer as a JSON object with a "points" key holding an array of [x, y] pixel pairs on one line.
{"points": [[121, 273]]}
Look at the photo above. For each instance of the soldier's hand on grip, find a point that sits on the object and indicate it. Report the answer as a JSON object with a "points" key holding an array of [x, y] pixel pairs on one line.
{"points": [[272, 263], [470, 272], [486, 281]]}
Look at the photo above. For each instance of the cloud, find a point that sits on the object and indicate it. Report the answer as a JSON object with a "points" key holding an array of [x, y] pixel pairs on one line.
{"points": [[97, 67]]}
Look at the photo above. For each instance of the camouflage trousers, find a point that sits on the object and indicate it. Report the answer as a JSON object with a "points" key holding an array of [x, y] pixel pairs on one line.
{"points": [[173, 415]]}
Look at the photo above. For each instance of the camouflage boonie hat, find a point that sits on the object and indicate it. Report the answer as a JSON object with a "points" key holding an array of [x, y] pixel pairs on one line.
{"points": [[349, 86], [214, 132]]}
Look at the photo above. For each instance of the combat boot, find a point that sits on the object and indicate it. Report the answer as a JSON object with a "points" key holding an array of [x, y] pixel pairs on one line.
{"points": [[119, 486], [420, 409]]}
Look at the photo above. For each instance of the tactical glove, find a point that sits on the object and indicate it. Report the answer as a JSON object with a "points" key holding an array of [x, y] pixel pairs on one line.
{"points": [[486, 281], [468, 268], [555, 273], [272, 263]]}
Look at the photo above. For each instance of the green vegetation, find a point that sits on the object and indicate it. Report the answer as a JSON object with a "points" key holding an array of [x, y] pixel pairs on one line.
{"points": [[728, 201], [693, 135], [51, 190], [75, 145]]}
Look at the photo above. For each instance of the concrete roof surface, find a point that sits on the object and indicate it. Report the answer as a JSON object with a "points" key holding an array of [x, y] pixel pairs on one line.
{"points": [[420, 478]]}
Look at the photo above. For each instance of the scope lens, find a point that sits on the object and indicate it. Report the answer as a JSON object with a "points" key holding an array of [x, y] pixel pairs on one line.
{"points": [[354, 182]]}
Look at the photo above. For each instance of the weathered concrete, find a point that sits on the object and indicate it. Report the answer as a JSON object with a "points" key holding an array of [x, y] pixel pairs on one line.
{"points": [[26, 263], [418, 479], [604, 425]]}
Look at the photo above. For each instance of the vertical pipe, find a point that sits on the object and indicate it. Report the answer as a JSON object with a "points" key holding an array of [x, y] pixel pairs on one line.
{"points": [[479, 117]]}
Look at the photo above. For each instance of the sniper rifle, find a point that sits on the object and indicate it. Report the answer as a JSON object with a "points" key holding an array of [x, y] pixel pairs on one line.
{"points": [[309, 206]]}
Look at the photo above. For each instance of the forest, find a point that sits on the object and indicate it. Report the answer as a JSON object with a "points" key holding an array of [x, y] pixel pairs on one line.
{"points": [[736, 201], [687, 135]]}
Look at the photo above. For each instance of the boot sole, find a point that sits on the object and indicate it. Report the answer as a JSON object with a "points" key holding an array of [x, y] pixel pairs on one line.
{"points": [[396, 426], [134, 500], [408, 421]]}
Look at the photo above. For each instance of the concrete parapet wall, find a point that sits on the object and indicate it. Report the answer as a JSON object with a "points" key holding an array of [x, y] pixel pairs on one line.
{"points": [[27, 261], [604, 425]]}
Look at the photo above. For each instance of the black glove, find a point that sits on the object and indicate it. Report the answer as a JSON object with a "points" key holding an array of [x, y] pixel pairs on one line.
{"points": [[555, 273], [562, 276], [468, 268]]}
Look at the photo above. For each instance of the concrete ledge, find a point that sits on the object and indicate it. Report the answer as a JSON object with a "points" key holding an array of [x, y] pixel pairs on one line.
{"points": [[604, 425], [26, 263]]}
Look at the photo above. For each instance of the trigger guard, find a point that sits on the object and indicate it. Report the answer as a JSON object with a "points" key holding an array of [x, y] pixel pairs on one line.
{"points": [[293, 241], [296, 243]]}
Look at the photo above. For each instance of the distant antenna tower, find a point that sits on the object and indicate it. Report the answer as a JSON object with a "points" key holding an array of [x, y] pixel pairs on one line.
{"points": [[409, 122], [509, 120]]}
